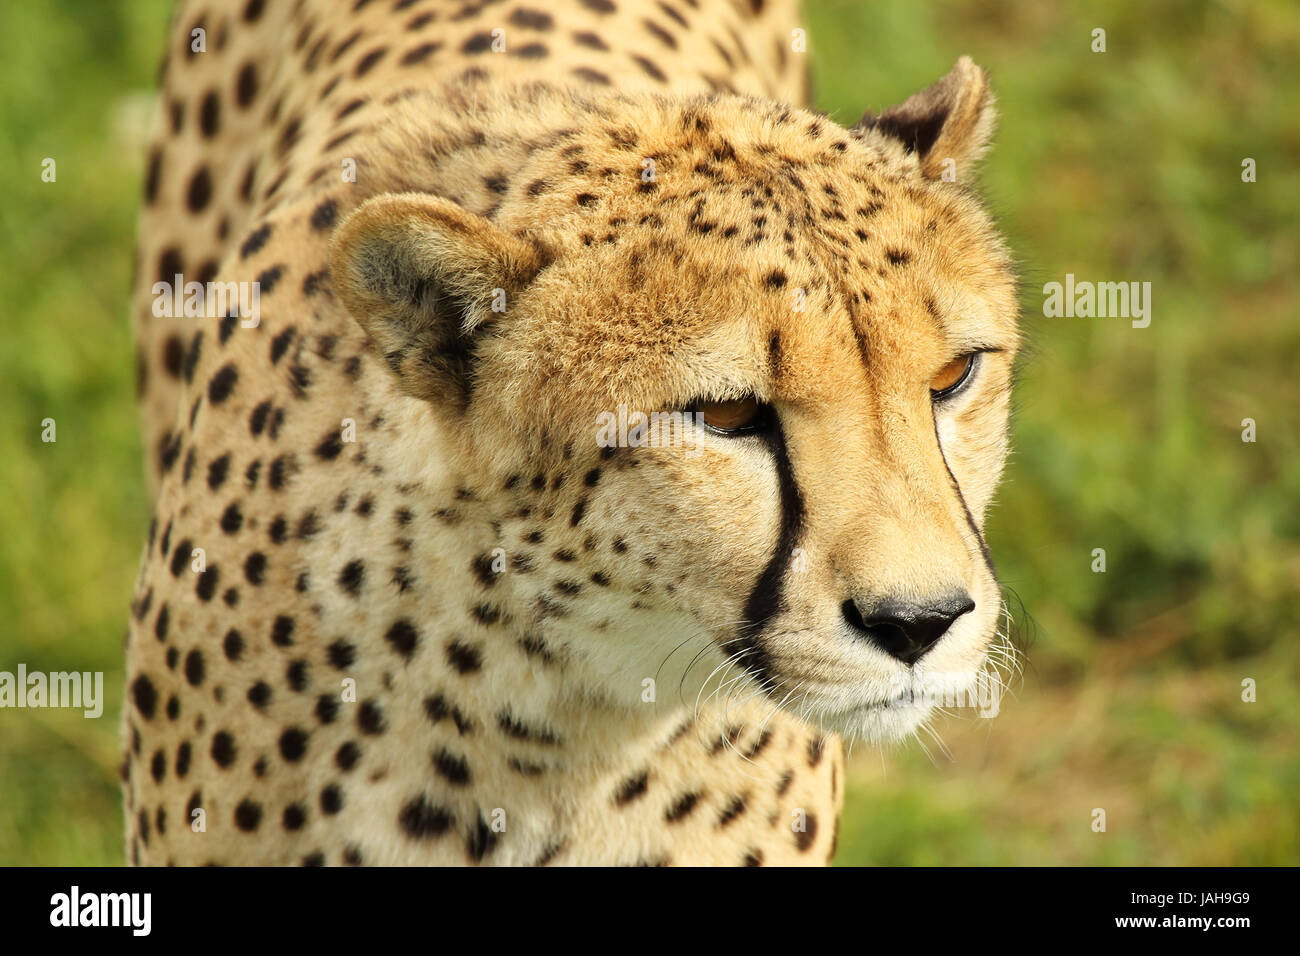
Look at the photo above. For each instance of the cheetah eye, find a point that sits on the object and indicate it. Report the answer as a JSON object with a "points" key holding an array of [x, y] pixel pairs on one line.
{"points": [[952, 377], [739, 416]]}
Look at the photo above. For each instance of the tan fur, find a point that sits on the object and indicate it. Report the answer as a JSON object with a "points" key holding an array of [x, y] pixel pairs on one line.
{"points": [[500, 591]]}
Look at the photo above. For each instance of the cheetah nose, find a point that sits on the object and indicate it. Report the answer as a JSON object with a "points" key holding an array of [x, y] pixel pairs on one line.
{"points": [[906, 631]]}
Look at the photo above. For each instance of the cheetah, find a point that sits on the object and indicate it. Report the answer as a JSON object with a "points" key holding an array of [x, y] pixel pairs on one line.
{"points": [[407, 596]]}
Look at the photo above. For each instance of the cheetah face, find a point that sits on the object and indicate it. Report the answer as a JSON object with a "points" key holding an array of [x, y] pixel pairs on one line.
{"points": [[832, 321]]}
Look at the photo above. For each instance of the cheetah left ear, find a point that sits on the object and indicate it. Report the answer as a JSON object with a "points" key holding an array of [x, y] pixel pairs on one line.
{"points": [[427, 280], [948, 125]]}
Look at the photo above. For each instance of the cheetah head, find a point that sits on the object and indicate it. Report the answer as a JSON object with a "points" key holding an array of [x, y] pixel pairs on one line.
{"points": [[828, 314]]}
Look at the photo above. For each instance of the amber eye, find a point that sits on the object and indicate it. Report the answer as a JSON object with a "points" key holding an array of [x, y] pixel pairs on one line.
{"points": [[739, 415], [952, 376]]}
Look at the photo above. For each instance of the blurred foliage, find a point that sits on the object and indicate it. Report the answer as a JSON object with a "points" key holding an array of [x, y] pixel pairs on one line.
{"points": [[1123, 165]]}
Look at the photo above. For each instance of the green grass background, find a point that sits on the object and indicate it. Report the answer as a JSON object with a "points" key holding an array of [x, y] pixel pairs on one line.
{"points": [[1123, 165]]}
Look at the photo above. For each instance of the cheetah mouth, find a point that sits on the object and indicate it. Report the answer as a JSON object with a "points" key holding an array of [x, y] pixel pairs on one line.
{"points": [[894, 711]]}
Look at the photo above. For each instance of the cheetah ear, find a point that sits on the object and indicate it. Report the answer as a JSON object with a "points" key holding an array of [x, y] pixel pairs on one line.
{"points": [[950, 120], [427, 280]]}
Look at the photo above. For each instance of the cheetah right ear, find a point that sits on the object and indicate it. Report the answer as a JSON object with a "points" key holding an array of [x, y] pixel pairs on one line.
{"points": [[427, 280], [948, 125]]}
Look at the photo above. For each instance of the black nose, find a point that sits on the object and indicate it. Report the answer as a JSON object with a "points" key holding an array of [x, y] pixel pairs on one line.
{"points": [[906, 631]]}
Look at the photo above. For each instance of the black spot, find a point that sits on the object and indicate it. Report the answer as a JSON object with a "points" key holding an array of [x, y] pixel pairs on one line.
{"points": [[466, 659], [183, 754], [734, 808], [660, 34], [267, 280], [632, 789], [486, 613], [402, 578], [308, 526], [194, 667], [173, 355], [152, 175], [223, 748], [282, 469], [367, 62], [158, 766], [313, 282], [294, 816], [280, 343], [816, 750], [255, 241], [776, 279], [650, 68], [327, 709], [248, 815], [210, 114], [259, 695], [419, 54], [346, 757], [402, 637], [535, 647], [160, 624], [217, 472], [224, 331], [370, 718], [206, 585], [233, 645], [422, 820], [804, 838], [296, 675], [192, 357], [682, 807], [342, 654], [453, 769], [331, 446], [293, 744], [531, 19], [331, 800], [512, 727], [323, 216], [352, 577], [200, 190], [257, 420], [481, 840], [223, 383], [897, 257], [282, 631], [255, 568], [438, 708], [592, 76]]}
